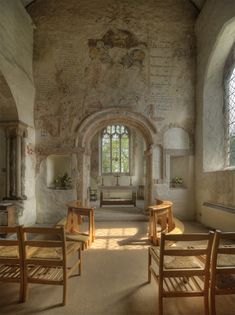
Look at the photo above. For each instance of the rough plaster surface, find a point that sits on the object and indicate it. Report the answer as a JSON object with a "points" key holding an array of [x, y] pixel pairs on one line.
{"points": [[8, 109], [50, 202], [16, 52], [217, 187], [91, 56]]}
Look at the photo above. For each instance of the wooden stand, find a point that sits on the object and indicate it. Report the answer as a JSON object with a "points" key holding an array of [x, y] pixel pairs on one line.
{"points": [[9, 211]]}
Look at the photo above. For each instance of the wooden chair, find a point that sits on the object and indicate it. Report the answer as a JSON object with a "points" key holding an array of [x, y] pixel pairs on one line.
{"points": [[160, 224], [222, 267], [160, 219], [73, 221], [182, 270], [46, 260], [11, 258]]}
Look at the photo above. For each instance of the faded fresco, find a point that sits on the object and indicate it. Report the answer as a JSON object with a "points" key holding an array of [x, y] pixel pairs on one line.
{"points": [[91, 56]]}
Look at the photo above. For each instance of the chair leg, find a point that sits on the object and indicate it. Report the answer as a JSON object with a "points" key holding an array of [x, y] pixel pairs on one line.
{"points": [[64, 292], [21, 295], [206, 304], [25, 292], [160, 304], [80, 262], [212, 302], [149, 264], [25, 285]]}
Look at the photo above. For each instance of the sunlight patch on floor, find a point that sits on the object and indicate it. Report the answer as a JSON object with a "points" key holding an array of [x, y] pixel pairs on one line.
{"points": [[119, 239]]}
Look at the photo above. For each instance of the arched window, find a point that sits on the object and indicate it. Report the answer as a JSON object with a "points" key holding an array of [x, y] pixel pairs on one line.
{"points": [[115, 152], [230, 116]]}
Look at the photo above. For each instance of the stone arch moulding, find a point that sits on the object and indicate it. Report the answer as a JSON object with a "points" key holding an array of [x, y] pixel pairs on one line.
{"points": [[213, 99], [91, 125]]}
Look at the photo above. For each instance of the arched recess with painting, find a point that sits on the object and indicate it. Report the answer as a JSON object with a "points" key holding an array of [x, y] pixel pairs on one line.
{"points": [[93, 125]]}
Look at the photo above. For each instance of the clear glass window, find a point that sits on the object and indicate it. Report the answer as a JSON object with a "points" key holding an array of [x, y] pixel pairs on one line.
{"points": [[115, 152], [230, 118]]}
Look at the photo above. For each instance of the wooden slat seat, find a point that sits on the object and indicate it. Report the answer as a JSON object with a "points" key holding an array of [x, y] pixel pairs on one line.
{"points": [[177, 262], [12, 251], [73, 222], [11, 258], [181, 270], [226, 260], [80, 237], [46, 275], [223, 267], [52, 252], [47, 262], [75, 236]]}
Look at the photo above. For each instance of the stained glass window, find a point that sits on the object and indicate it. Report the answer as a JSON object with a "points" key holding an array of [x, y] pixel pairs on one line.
{"points": [[115, 153]]}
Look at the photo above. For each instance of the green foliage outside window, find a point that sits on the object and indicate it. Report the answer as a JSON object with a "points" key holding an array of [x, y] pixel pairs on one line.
{"points": [[115, 149]]}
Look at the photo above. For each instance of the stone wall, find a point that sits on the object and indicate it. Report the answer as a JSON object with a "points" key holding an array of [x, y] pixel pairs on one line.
{"points": [[17, 103], [93, 55], [215, 33]]}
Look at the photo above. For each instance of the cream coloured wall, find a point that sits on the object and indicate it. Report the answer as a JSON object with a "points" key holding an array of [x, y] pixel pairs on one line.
{"points": [[215, 31], [134, 56]]}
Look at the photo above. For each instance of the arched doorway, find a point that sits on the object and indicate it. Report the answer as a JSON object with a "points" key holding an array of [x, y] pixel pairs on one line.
{"points": [[93, 124]]}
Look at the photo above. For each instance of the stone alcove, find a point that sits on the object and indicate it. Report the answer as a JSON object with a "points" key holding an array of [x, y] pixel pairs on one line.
{"points": [[93, 124]]}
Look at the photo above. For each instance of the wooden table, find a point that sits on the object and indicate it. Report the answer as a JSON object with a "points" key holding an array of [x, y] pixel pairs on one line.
{"points": [[75, 207]]}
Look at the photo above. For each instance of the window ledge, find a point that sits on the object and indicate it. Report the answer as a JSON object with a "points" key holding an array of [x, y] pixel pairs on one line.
{"points": [[224, 169], [219, 206], [229, 168]]}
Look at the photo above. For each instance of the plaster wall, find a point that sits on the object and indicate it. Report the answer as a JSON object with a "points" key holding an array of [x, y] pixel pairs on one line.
{"points": [[51, 202], [16, 52], [27, 208], [2, 164], [90, 56], [215, 34], [17, 97]]}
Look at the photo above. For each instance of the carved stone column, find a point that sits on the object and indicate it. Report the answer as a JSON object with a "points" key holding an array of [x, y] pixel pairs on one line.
{"points": [[15, 133]]}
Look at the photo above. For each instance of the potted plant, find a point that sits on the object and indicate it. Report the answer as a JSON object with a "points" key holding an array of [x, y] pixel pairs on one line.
{"points": [[63, 181], [176, 181]]}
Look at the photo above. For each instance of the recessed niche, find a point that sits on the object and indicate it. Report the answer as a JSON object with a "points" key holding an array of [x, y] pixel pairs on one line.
{"points": [[59, 171], [179, 169]]}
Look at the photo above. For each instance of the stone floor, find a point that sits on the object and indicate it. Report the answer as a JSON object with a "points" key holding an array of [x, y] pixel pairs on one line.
{"points": [[113, 280]]}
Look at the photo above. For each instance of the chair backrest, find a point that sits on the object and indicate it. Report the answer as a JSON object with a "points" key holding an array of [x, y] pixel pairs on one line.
{"points": [[11, 249], [40, 244], [162, 205], [223, 262], [74, 215], [185, 247]]}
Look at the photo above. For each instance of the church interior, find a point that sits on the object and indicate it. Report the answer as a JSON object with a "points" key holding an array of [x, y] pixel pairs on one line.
{"points": [[117, 141]]}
